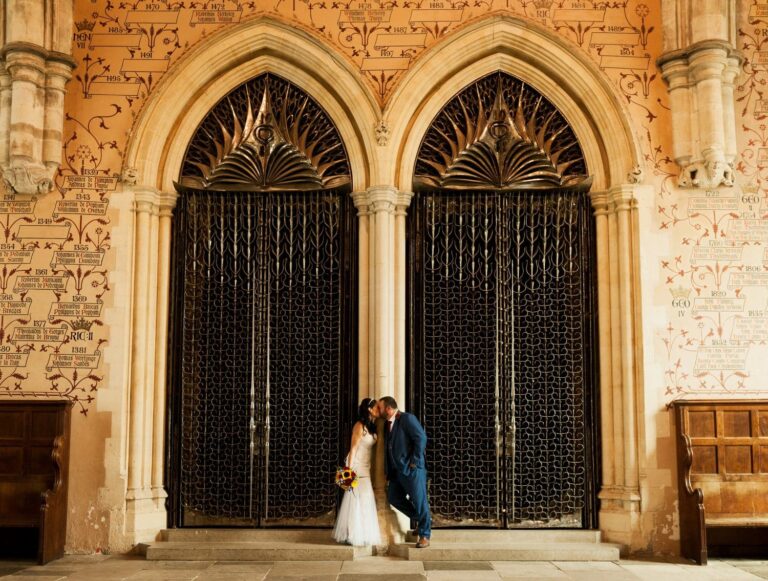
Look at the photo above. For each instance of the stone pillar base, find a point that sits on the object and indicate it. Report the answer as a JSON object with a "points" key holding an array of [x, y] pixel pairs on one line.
{"points": [[145, 514], [620, 517]]}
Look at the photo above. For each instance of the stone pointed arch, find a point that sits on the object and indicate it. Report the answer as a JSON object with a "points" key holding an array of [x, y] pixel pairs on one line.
{"points": [[156, 150], [590, 104], [228, 58], [547, 62]]}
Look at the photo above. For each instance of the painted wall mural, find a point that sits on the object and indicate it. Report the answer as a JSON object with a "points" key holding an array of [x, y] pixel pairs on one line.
{"points": [[716, 276], [54, 280], [55, 253]]}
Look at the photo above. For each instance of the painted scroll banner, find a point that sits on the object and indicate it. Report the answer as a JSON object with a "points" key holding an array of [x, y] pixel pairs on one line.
{"points": [[721, 358]]}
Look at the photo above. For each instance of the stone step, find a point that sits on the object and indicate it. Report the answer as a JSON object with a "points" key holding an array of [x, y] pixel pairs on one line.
{"points": [[246, 535], [512, 536], [252, 551], [560, 551]]}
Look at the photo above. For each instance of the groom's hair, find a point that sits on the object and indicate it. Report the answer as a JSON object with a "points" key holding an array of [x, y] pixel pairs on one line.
{"points": [[389, 402]]}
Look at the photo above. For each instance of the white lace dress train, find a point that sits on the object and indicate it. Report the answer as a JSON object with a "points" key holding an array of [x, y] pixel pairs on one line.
{"points": [[357, 522]]}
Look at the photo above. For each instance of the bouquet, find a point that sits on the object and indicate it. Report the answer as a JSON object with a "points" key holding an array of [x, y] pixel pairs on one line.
{"points": [[346, 478]]}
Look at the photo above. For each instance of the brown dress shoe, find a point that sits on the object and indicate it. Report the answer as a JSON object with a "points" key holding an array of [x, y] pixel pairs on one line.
{"points": [[422, 543]]}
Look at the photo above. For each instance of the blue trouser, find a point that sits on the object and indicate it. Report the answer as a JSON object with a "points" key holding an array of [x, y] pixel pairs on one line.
{"points": [[408, 494]]}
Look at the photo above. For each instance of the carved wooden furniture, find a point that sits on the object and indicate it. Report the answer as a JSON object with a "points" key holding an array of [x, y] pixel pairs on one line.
{"points": [[722, 452], [34, 460]]}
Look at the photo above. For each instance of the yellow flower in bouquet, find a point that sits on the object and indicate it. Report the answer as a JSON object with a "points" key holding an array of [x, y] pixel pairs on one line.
{"points": [[346, 478]]}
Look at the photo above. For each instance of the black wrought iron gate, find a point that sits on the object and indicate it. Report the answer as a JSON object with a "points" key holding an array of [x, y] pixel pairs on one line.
{"points": [[264, 351], [503, 356]]}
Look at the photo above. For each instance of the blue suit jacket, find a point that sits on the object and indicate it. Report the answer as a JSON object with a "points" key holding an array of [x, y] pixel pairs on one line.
{"points": [[405, 445]]}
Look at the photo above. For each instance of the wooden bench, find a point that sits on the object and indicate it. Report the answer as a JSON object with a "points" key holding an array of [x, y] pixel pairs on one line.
{"points": [[34, 460], [722, 457]]}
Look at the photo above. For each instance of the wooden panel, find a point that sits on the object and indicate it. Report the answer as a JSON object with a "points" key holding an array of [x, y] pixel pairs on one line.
{"points": [[39, 460], [736, 424], [763, 423], [702, 424], [43, 426], [11, 460], [11, 425], [722, 471], [704, 460], [738, 460], [34, 457], [763, 459]]}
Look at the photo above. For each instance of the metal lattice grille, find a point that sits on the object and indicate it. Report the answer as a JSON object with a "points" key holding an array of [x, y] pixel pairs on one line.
{"points": [[263, 329], [502, 354], [460, 312]]}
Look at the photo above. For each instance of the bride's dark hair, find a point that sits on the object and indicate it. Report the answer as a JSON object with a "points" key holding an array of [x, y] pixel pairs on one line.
{"points": [[364, 414]]}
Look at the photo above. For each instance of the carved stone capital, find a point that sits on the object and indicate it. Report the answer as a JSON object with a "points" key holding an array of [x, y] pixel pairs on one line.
{"points": [[403, 202], [600, 203], [622, 197], [167, 202], [675, 74], [146, 199], [382, 198], [360, 200], [28, 178]]}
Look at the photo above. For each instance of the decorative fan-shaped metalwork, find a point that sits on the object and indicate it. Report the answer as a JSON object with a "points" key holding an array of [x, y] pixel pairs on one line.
{"points": [[288, 144], [500, 134]]}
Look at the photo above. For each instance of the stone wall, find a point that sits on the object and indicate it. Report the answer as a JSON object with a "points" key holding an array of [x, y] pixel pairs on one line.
{"points": [[67, 304]]}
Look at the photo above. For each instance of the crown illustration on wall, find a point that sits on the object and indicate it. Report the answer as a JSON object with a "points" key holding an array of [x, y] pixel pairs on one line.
{"points": [[543, 4], [85, 25], [81, 324], [680, 292]]}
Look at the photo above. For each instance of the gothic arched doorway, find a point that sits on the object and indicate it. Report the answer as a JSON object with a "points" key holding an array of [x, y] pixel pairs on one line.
{"points": [[502, 349], [263, 312]]}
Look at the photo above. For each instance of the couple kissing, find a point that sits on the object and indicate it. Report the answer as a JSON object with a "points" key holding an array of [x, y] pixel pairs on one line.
{"points": [[405, 441]]}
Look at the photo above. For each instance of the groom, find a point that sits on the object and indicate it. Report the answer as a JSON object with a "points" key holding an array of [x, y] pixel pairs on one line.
{"points": [[406, 472]]}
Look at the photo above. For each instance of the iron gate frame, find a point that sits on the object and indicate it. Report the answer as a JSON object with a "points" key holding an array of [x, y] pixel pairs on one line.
{"points": [[415, 231], [174, 394]]}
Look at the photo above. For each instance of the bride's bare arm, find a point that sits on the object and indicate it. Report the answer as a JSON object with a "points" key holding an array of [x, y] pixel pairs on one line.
{"points": [[357, 435]]}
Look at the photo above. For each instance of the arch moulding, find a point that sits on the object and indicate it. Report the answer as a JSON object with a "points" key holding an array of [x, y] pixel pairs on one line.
{"points": [[154, 156], [574, 84]]}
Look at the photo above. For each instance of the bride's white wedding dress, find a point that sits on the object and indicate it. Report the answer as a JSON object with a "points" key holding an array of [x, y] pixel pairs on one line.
{"points": [[357, 522]]}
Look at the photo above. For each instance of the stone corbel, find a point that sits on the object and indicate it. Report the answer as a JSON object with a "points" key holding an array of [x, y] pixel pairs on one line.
{"points": [[700, 85]]}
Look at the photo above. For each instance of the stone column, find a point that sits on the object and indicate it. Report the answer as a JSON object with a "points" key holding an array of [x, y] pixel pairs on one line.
{"points": [[26, 172], [401, 207], [145, 507], [383, 200], [380, 262], [137, 497], [700, 78], [600, 206], [5, 116], [675, 73], [364, 387], [31, 121], [167, 203], [620, 493], [58, 73], [706, 68]]}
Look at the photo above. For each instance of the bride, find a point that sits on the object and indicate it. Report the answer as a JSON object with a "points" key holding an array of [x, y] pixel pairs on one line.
{"points": [[357, 523]]}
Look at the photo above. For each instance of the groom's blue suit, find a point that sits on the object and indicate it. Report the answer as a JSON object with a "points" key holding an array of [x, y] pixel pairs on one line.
{"points": [[406, 470]]}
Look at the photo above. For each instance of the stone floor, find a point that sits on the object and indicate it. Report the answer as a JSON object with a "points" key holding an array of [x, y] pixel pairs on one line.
{"points": [[103, 568]]}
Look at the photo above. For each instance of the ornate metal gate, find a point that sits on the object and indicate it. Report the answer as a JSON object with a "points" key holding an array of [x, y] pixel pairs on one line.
{"points": [[502, 352], [263, 359]]}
